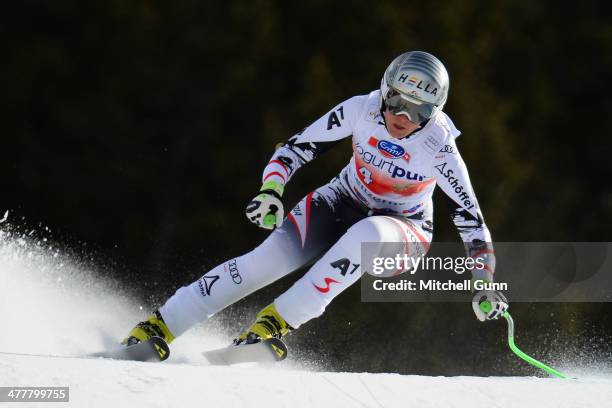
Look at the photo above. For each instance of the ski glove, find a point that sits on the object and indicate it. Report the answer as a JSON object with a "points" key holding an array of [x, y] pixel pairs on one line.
{"points": [[489, 304], [266, 209]]}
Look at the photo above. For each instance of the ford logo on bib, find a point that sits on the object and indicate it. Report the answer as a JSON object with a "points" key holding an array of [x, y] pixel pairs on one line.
{"points": [[390, 149]]}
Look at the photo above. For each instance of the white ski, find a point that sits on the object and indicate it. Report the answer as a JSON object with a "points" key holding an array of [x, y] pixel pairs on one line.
{"points": [[267, 351]]}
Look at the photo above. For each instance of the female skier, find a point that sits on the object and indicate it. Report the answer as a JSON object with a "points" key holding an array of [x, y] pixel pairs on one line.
{"points": [[403, 146]]}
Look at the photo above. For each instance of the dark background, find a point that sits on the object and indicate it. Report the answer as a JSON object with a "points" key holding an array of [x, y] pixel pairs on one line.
{"points": [[137, 132]]}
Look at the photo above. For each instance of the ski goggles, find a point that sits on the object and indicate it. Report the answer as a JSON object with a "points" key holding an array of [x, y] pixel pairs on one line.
{"points": [[415, 110]]}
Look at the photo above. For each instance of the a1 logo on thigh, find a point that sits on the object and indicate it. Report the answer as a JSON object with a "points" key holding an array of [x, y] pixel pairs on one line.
{"points": [[327, 286], [345, 267]]}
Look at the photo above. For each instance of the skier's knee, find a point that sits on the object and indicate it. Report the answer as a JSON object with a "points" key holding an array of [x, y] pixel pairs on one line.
{"points": [[380, 237], [377, 229]]}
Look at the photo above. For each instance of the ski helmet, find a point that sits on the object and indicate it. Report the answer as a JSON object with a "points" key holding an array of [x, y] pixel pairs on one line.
{"points": [[415, 85]]}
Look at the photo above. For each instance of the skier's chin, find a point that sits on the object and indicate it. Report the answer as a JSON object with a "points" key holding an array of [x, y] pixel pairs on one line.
{"points": [[398, 131]]}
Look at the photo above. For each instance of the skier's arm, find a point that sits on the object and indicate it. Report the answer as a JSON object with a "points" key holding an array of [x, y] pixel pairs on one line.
{"points": [[266, 208], [453, 179], [312, 141]]}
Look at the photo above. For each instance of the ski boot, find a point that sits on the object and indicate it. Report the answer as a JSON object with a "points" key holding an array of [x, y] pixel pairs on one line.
{"points": [[153, 326], [268, 324]]}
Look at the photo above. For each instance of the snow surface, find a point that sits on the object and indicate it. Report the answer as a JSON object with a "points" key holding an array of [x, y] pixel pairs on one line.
{"points": [[51, 304], [108, 383]]}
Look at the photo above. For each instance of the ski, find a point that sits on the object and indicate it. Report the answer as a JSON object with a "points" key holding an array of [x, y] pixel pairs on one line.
{"points": [[267, 351], [154, 349]]}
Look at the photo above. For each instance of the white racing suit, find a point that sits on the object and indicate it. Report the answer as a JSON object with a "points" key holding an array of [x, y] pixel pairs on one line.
{"points": [[384, 194]]}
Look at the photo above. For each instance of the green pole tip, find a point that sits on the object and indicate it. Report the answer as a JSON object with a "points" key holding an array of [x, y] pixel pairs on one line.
{"points": [[525, 356]]}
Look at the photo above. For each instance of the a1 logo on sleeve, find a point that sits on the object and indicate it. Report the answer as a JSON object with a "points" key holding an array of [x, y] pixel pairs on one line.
{"points": [[333, 120]]}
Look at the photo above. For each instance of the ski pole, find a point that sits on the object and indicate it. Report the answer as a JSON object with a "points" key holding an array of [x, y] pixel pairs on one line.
{"points": [[524, 356]]}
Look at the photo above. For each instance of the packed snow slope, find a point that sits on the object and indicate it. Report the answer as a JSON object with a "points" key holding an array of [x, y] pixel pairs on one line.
{"points": [[54, 304], [108, 383]]}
